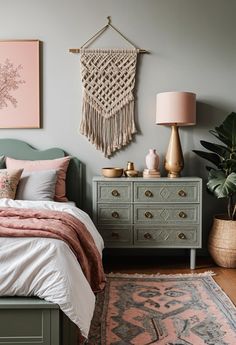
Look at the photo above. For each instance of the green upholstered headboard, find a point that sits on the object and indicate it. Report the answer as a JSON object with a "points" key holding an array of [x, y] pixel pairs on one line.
{"points": [[21, 150]]}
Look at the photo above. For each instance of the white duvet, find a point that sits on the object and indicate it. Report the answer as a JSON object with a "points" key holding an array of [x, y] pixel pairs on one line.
{"points": [[47, 268]]}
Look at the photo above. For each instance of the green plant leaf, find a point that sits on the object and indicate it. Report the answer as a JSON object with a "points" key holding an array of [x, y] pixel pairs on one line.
{"points": [[220, 150], [226, 132], [222, 181], [229, 165], [208, 168], [211, 157], [233, 165], [221, 185], [225, 141]]}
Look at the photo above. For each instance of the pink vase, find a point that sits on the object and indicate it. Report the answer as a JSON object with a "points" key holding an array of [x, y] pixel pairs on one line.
{"points": [[152, 160]]}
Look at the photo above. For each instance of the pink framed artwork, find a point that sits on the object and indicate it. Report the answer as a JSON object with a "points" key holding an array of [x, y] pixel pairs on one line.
{"points": [[19, 84]]}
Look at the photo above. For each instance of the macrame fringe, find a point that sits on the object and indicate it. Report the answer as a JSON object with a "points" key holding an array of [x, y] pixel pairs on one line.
{"points": [[108, 134], [108, 77], [160, 275]]}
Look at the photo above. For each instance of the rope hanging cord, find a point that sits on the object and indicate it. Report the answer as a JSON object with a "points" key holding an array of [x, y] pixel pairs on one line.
{"points": [[108, 78]]}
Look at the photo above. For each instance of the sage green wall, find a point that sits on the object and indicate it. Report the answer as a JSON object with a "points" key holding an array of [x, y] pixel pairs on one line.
{"points": [[193, 48]]}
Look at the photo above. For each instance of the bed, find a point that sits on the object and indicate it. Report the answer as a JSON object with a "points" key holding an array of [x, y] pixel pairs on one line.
{"points": [[50, 314]]}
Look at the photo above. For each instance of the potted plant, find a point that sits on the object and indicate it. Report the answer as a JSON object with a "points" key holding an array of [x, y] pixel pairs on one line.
{"points": [[222, 184]]}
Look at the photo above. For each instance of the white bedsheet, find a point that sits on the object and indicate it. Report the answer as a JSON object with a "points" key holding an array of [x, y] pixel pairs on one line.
{"points": [[47, 268]]}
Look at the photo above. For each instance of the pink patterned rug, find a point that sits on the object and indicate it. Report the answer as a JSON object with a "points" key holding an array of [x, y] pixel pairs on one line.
{"points": [[189, 309]]}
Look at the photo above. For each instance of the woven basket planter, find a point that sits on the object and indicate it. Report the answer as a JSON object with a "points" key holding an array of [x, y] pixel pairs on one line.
{"points": [[222, 242]]}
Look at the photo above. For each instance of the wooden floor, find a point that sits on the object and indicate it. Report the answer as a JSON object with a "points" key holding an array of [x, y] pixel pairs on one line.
{"points": [[226, 278]]}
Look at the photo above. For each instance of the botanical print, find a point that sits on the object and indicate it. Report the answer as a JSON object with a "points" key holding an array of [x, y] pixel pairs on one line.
{"points": [[19, 84], [10, 80]]}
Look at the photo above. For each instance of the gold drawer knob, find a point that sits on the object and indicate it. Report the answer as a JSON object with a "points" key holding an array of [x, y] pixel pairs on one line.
{"points": [[115, 235], [182, 236], [182, 193], [115, 192], [147, 236], [182, 214], [148, 214], [148, 193], [115, 214]]}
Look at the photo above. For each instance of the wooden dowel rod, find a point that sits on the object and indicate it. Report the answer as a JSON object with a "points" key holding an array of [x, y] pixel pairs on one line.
{"points": [[74, 50], [77, 50], [143, 51]]}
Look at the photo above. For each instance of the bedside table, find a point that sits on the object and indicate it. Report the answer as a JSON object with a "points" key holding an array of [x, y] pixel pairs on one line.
{"points": [[149, 213]]}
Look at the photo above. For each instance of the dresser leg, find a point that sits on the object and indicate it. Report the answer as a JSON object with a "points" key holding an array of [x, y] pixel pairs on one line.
{"points": [[192, 259]]}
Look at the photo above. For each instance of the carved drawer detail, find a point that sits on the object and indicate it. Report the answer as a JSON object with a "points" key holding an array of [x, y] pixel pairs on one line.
{"points": [[117, 236], [173, 192], [114, 192], [166, 214], [166, 236], [114, 213]]}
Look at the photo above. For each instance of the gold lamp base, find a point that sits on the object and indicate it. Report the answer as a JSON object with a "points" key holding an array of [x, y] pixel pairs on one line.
{"points": [[174, 161]]}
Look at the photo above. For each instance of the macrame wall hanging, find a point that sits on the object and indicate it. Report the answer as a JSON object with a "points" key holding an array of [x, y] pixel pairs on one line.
{"points": [[108, 78]]}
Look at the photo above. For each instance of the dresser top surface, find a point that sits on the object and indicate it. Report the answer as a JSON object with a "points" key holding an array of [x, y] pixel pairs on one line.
{"points": [[141, 179]]}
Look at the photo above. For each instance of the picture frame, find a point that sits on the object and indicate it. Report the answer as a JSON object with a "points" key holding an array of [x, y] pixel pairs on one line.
{"points": [[20, 84]]}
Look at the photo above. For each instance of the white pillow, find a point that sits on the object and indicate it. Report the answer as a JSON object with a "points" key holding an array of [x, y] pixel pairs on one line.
{"points": [[37, 185]]}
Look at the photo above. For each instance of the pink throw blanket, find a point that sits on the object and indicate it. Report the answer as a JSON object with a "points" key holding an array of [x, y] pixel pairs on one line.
{"points": [[23, 222]]}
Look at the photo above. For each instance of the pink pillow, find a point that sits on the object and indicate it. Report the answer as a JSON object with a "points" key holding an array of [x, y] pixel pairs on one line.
{"points": [[59, 164]]}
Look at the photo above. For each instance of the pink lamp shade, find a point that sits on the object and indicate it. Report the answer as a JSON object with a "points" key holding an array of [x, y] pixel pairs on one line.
{"points": [[176, 108]]}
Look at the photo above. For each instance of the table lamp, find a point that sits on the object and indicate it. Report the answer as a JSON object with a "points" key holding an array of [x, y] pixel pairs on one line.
{"points": [[175, 109]]}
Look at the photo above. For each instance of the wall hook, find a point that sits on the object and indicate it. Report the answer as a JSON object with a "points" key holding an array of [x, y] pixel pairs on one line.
{"points": [[108, 20]]}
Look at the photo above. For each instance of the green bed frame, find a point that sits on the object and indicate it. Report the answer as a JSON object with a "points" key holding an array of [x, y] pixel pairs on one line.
{"points": [[30, 320], [21, 150]]}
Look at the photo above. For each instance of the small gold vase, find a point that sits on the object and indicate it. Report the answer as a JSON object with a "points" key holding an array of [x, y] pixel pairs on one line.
{"points": [[130, 171]]}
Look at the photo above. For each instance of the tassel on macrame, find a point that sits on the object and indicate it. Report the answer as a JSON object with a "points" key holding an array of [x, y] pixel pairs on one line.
{"points": [[108, 78]]}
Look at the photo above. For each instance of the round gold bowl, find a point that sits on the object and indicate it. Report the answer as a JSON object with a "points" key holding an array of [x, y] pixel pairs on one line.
{"points": [[112, 172]]}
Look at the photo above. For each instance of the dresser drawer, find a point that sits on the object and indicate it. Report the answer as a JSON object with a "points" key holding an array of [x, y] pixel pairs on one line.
{"points": [[114, 192], [166, 214], [167, 236], [115, 236], [163, 192], [114, 214]]}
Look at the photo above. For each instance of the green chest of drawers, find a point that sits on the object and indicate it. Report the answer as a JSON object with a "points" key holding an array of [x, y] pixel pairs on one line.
{"points": [[149, 213]]}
